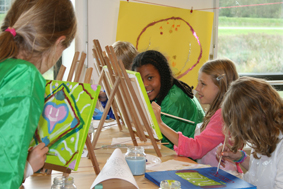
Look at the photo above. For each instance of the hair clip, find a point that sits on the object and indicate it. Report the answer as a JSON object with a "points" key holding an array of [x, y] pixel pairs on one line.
{"points": [[220, 77]]}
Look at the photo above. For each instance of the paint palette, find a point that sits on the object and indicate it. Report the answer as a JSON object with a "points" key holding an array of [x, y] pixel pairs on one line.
{"points": [[65, 120]]}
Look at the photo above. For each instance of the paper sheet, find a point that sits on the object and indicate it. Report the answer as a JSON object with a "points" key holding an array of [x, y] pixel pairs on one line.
{"points": [[124, 142], [175, 165], [115, 167]]}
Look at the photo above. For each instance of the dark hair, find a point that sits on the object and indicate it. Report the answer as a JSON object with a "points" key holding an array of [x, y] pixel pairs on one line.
{"points": [[167, 80]]}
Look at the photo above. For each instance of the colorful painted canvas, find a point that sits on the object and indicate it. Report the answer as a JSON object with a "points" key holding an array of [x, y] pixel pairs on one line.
{"points": [[183, 36], [143, 99], [65, 120], [200, 178]]}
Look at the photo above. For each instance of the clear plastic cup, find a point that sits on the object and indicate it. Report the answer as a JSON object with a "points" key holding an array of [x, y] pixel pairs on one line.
{"points": [[170, 184]]}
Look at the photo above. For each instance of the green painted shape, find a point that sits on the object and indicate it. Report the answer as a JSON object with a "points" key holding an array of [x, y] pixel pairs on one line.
{"points": [[197, 179]]}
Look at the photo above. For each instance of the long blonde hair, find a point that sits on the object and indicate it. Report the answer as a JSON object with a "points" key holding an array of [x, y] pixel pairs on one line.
{"points": [[38, 24], [222, 73], [252, 111]]}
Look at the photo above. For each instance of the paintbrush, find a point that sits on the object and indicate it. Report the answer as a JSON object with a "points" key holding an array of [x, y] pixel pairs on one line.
{"points": [[169, 115], [50, 154], [221, 155]]}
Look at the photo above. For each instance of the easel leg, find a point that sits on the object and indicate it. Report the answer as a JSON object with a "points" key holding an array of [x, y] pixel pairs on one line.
{"points": [[92, 156]]}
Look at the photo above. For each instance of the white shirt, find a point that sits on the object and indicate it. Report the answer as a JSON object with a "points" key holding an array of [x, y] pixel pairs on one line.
{"points": [[28, 170], [267, 172]]}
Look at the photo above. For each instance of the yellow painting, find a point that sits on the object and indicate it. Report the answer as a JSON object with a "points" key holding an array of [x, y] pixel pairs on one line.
{"points": [[182, 35]]}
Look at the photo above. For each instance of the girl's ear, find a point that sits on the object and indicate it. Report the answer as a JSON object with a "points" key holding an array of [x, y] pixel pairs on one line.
{"points": [[60, 40]]}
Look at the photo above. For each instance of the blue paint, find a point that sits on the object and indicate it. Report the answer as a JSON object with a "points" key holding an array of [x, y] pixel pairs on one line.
{"points": [[74, 123], [60, 95], [45, 140], [136, 164]]}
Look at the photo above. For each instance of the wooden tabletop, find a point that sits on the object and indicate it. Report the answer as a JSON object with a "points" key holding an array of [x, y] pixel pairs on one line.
{"points": [[85, 174]]}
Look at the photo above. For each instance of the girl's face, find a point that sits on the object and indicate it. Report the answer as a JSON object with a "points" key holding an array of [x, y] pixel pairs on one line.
{"points": [[206, 89], [151, 79]]}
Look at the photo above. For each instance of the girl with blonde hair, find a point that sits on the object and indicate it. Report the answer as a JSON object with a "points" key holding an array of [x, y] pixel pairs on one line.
{"points": [[214, 80]]}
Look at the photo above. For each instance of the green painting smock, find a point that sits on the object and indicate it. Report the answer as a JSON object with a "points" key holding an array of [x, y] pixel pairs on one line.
{"points": [[21, 103], [179, 104]]}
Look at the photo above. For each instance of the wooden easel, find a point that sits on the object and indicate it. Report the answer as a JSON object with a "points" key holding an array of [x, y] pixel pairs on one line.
{"points": [[76, 67], [99, 63], [120, 84]]}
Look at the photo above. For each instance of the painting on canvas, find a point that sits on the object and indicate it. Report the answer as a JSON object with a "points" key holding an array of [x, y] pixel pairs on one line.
{"points": [[143, 99], [65, 121]]}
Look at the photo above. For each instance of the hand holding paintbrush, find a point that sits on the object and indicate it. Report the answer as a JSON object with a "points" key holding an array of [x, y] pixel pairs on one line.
{"points": [[224, 153], [37, 156], [220, 159]]}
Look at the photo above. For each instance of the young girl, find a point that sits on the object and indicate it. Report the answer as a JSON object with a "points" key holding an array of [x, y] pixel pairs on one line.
{"points": [[33, 36], [126, 52], [174, 96], [213, 81], [253, 114]]}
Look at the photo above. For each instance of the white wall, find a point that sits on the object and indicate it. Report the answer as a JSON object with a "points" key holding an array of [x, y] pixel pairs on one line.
{"points": [[103, 18]]}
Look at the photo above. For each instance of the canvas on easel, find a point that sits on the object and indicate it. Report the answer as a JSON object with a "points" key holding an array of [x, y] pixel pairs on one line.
{"points": [[123, 92], [72, 86], [65, 120], [139, 89]]}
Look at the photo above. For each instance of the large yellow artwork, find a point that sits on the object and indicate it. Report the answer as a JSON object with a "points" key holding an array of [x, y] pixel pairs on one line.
{"points": [[181, 35]]}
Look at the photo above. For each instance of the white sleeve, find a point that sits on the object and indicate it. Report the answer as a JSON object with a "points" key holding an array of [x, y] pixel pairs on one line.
{"points": [[278, 183], [28, 170]]}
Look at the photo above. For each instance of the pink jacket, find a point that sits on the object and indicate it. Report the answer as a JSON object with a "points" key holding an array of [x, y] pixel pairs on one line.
{"points": [[204, 146]]}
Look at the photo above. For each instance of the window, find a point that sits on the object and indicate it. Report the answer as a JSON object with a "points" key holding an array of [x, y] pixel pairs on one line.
{"points": [[250, 32], [4, 7]]}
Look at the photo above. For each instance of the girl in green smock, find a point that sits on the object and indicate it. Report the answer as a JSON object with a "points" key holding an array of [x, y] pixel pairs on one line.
{"points": [[33, 36], [174, 96]]}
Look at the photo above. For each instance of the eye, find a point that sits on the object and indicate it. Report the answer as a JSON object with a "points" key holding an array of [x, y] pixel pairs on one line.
{"points": [[203, 84], [149, 78]]}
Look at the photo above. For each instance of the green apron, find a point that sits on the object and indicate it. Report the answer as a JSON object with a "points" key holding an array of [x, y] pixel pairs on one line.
{"points": [[179, 104], [21, 104]]}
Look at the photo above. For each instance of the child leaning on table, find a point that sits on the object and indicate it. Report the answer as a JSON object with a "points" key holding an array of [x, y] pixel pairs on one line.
{"points": [[252, 111], [33, 36], [213, 81], [174, 96]]}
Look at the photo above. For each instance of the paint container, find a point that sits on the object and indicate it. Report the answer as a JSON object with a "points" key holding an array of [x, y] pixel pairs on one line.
{"points": [[63, 183], [136, 159], [170, 184]]}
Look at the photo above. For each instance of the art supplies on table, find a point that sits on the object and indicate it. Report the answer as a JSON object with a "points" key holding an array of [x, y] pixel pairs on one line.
{"points": [[115, 168], [200, 178], [174, 165], [65, 121]]}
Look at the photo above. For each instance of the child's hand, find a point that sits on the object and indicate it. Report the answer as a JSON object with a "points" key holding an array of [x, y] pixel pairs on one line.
{"points": [[157, 111], [227, 154], [37, 156]]}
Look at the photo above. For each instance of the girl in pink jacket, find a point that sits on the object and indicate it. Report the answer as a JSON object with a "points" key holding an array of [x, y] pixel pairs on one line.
{"points": [[213, 81]]}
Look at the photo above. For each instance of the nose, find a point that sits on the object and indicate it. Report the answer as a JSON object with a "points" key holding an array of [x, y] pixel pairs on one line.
{"points": [[145, 84], [198, 88]]}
